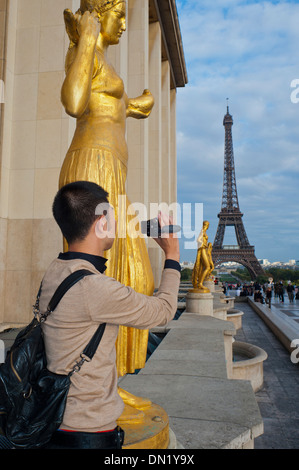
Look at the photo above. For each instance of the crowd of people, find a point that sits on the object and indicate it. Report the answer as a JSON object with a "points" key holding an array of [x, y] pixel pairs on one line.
{"points": [[263, 293], [241, 290], [278, 290]]}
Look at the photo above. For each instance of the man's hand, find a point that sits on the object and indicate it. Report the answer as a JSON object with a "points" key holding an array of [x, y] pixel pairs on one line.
{"points": [[169, 242]]}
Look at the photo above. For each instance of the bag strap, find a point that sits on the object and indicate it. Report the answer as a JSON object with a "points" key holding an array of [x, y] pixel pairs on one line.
{"points": [[58, 294], [91, 348], [69, 282]]}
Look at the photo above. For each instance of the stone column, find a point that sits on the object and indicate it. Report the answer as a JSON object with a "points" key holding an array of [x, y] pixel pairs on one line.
{"points": [[173, 149], [3, 221], [155, 142], [138, 80], [165, 167]]}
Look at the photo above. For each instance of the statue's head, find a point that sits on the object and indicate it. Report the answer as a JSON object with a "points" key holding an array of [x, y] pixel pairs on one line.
{"points": [[112, 16], [101, 6]]}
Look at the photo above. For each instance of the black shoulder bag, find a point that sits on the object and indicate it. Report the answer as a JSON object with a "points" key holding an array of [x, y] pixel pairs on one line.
{"points": [[32, 399]]}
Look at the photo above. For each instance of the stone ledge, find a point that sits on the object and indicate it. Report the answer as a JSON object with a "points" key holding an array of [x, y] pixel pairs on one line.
{"points": [[187, 376], [240, 298], [210, 404], [284, 328], [199, 322], [214, 435]]}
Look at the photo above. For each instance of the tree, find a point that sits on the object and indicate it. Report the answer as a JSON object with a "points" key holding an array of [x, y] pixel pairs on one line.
{"points": [[186, 274]]}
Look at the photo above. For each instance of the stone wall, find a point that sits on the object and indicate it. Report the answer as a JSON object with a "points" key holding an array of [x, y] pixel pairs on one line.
{"points": [[36, 133]]}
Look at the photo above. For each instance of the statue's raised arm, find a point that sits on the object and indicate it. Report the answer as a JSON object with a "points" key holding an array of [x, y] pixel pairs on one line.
{"points": [[83, 32]]}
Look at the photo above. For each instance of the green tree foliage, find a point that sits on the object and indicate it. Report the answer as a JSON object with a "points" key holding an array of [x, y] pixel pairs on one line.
{"points": [[229, 278], [282, 274], [278, 274], [243, 274], [186, 274]]}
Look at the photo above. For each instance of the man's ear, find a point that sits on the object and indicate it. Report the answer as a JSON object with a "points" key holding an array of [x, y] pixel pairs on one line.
{"points": [[101, 227]]}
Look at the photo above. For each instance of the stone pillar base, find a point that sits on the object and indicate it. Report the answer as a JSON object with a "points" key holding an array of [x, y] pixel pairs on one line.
{"points": [[200, 303]]}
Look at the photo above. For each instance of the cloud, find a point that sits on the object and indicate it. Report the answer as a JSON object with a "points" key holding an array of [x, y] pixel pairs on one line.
{"points": [[246, 51]]}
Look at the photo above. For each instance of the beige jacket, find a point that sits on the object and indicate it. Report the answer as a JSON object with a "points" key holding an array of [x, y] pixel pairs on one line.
{"points": [[93, 403]]}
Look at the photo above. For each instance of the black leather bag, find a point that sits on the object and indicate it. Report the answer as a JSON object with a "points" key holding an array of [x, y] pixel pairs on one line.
{"points": [[32, 399]]}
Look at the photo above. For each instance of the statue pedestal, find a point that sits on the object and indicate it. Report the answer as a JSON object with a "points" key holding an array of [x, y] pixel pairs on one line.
{"points": [[150, 432], [210, 285], [200, 303]]}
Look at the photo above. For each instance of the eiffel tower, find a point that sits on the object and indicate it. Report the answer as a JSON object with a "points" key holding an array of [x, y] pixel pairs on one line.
{"points": [[230, 215]]}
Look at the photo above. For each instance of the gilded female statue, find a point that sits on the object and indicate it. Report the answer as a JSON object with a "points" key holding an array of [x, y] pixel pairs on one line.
{"points": [[202, 267], [212, 266], [94, 94]]}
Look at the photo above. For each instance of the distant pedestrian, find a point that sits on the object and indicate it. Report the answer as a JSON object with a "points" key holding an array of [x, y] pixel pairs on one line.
{"points": [[269, 295], [256, 286], [243, 292], [290, 291], [280, 291], [258, 297]]}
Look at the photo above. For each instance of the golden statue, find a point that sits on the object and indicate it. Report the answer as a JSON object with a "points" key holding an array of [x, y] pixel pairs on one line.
{"points": [[94, 94], [203, 266], [209, 276]]}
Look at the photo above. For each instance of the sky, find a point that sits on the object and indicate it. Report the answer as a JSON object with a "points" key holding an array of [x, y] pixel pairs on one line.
{"points": [[247, 51]]}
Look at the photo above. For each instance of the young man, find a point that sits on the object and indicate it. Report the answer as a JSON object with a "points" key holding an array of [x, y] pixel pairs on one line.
{"points": [[93, 404]]}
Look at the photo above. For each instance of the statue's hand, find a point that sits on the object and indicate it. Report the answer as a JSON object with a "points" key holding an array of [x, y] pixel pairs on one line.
{"points": [[149, 98], [140, 107], [71, 25], [89, 24], [77, 25]]}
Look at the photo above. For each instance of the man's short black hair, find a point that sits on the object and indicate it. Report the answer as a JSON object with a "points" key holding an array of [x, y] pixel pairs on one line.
{"points": [[74, 208]]}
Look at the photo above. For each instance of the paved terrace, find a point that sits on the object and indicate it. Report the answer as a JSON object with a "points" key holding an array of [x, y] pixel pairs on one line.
{"points": [[278, 398]]}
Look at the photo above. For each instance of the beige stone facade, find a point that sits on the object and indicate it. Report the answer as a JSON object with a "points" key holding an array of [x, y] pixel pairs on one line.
{"points": [[35, 131]]}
